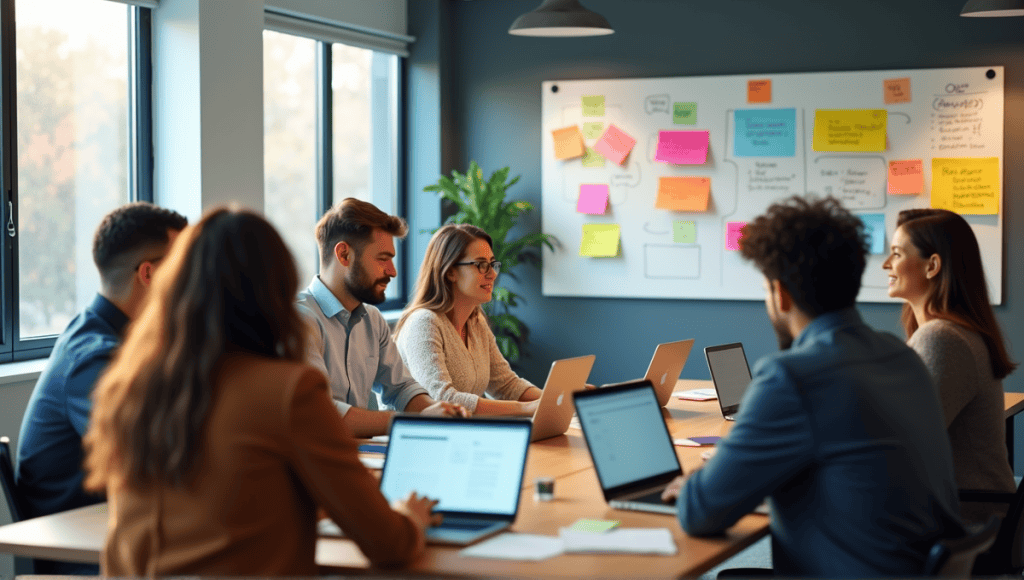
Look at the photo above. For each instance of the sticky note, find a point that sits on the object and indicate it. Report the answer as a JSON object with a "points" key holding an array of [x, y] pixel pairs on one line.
{"points": [[759, 91], [592, 158], [568, 142], [874, 228], [968, 185], [906, 177], [592, 129], [733, 233], [614, 144], [850, 129], [896, 90], [586, 525], [683, 193], [600, 240], [765, 133], [684, 232], [682, 147], [593, 198], [684, 113], [593, 106]]}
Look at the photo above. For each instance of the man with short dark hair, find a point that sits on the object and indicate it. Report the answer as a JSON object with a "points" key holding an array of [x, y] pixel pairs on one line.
{"points": [[352, 342], [128, 246], [842, 430]]}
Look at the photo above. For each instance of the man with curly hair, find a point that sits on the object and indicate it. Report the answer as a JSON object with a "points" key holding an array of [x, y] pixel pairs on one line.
{"points": [[841, 431]]}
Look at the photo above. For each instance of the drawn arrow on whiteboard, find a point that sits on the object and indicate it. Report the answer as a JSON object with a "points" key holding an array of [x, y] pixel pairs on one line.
{"points": [[903, 115], [650, 231]]}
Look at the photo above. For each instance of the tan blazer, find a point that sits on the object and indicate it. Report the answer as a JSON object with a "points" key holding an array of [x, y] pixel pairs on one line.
{"points": [[274, 448]]}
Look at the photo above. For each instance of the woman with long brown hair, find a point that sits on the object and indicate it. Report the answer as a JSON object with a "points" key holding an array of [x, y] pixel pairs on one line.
{"points": [[935, 265], [214, 441], [443, 335]]}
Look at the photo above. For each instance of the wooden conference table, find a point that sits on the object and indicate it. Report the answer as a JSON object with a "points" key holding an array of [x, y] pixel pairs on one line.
{"points": [[78, 535]]}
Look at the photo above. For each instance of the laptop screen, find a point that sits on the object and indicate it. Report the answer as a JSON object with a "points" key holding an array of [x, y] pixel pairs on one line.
{"points": [[468, 465], [626, 434], [729, 371]]}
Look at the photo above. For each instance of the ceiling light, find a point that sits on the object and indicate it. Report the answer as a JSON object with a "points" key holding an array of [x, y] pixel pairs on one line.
{"points": [[560, 18]]}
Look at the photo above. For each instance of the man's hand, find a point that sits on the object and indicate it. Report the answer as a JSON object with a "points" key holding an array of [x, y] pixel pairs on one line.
{"points": [[418, 509], [671, 492], [445, 409]]}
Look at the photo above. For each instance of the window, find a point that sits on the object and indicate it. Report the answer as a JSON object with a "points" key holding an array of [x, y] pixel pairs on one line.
{"points": [[330, 132], [70, 127]]}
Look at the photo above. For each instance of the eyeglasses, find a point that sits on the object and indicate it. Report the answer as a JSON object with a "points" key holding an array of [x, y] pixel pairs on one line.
{"points": [[483, 267]]}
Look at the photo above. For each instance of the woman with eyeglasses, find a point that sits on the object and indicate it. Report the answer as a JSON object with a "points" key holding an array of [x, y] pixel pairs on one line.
{"points": [[443, 335]]}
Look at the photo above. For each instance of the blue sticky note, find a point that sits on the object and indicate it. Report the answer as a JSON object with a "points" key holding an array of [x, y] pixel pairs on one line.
{"points": [[765, 133], [874, 227]]}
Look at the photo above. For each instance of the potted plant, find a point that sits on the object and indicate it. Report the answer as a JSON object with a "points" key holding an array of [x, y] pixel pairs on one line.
{"points": [[482, 203]]}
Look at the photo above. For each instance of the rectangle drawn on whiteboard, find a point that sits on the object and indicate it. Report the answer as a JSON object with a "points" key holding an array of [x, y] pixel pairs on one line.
{"points": [[765, 132], [669, 261]]}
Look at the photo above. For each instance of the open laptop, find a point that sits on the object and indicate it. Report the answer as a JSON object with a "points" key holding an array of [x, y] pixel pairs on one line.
{"points": [[629, 444], [555, 410], [472, 466], [666, 366], [731, 375]]}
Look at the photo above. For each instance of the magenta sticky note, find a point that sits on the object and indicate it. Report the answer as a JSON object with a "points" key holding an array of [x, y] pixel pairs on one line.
{"points": [[614, 144], [682, 147], [593, 198], [733, 233]]}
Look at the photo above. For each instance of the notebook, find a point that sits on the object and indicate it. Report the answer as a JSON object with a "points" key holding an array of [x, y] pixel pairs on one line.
{"points": [[666, 366], [629, 444], [555, 409], [472, 466], [731, 375]]}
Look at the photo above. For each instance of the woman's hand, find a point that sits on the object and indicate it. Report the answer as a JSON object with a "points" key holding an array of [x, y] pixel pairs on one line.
{"points": [[419, 509]]}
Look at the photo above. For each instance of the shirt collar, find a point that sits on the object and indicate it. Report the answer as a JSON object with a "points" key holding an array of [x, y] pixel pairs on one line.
{"points": [[329, 303], [828, 323], [111, 314]]}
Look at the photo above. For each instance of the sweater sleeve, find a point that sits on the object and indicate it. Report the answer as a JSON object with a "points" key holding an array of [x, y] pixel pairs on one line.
{"points": [[950, 364], [421, 345], [504, 383]]}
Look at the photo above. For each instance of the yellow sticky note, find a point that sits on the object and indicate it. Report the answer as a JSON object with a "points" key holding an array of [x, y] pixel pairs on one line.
{"points": [[568, 142], [683, 193], [906, 177], [593, 158], [593, 106], [600, 240], [896, 90], [968, 186], [850, 129], [593, 129]]}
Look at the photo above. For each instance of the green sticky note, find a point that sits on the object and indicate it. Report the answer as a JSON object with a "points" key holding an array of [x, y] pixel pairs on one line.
{"points": [[593, 106], [585, 525], [592, 158], [684, 232], [684, 113], [593, 129], [600, 240]]}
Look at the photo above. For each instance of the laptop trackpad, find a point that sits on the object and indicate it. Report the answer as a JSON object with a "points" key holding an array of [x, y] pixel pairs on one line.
{"points": [[463, 531]]}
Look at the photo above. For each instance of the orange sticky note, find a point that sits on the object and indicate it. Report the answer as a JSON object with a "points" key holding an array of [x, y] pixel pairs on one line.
{"points": [[683, 193], [906, 177], [759, 91], [568, 142], [896, 90]]}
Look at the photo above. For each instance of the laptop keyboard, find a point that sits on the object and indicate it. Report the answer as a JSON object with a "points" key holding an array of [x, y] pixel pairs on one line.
{"points": [[461, 524], [653, 497]]}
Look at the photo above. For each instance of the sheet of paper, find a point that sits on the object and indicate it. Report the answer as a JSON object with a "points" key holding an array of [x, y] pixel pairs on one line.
{"points": [[697, 395], [593, 106], [600, 240], [684, 232], [759, 91], [967, 185], [896, 90], [620, 541], [615, 144], [850, 129], [684, 113], [765, 133], [682, 147], [592, 129], [733, 233], [568, 142], [513, 546], [683, 193], [587, 525], [592, 158], [372, 461], [593, 198], [906, 177], [874, 227]]}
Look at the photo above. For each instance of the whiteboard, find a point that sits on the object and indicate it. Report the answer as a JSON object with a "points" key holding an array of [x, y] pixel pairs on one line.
{"points": [[953, 112]]}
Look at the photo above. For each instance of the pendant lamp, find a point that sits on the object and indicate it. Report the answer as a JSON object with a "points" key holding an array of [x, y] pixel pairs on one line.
{"points": [[993, 8], [560, 18]]}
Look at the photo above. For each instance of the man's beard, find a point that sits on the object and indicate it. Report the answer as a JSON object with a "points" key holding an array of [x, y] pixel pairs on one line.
{"points": [[359, 285]]}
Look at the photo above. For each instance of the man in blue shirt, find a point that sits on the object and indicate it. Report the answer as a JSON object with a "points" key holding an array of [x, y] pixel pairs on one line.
{"points": [[128, 245], [842, 430]]}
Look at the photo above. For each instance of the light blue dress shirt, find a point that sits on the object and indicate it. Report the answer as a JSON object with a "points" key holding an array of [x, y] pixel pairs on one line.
{"points": [[355, 351]]}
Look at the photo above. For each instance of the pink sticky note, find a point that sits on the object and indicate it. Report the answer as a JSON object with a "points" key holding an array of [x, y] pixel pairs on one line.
{"points": [[733, 233], [593, 198], [615, 144], [906, 177], [682, 147]]}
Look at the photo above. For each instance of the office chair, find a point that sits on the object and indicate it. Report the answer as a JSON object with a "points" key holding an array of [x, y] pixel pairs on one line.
{"points": [[1006, 556], [954, 557], [21, 565]]}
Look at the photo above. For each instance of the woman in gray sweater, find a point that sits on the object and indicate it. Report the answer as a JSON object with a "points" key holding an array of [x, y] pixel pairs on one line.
{"points": [[935, 265]]}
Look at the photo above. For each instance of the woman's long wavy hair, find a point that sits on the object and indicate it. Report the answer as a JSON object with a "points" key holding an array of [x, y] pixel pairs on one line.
{"points": [[433, 288], [959, 293], [228, 285]]}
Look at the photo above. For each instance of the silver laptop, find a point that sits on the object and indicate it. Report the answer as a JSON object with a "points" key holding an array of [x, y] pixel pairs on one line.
{"points": [[473, 467], [666, 366], [629, 444], [555, 410], [731, 375]]}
